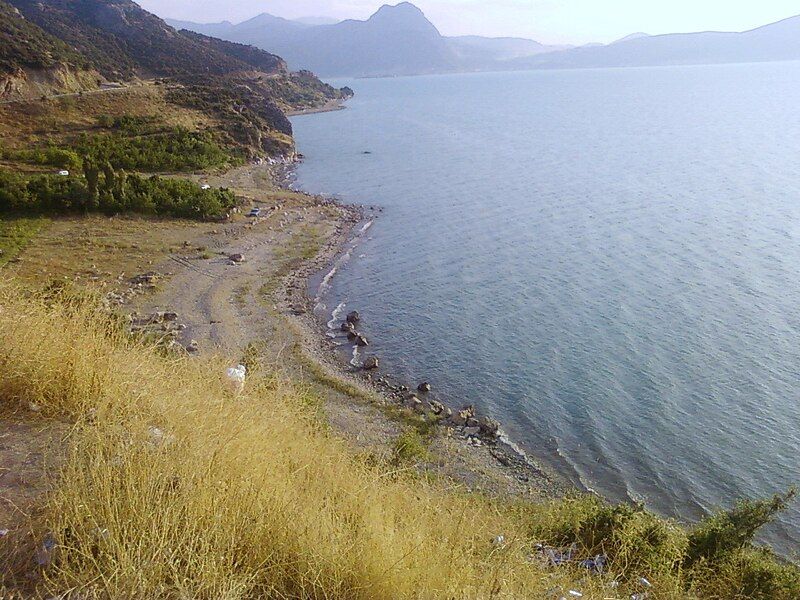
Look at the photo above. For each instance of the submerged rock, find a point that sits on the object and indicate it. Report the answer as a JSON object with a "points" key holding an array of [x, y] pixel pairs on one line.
{"points": [[353, 317], [424, 387]]}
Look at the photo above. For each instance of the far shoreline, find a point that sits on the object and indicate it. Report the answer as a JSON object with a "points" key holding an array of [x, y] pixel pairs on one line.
{"points": [[329, 106]]}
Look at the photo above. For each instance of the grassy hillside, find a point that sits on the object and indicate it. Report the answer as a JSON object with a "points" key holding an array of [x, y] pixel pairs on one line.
{"points": [[176, 485]]}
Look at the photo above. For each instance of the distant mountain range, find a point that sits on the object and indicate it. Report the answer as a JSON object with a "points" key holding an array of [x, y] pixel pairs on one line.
{"points": [[400, 40], [396, 40], [777, 41]]}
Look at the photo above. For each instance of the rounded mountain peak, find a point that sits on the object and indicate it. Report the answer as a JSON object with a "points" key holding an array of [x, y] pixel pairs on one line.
{"points": [[404, 15]]}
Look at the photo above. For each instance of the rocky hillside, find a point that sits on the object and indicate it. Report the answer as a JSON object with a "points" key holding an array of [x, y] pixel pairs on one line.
{"points": [[33, 61], [25, 45]]}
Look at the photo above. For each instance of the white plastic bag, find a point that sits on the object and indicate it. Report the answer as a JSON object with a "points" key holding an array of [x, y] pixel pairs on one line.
{"points": [[236, 377]]}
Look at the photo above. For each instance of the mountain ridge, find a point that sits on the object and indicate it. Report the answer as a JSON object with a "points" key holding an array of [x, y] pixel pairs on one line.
{"points": [[400, 40], [395, 40]]}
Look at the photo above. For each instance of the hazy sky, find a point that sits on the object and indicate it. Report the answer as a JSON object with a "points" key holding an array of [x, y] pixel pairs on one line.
{"points": [[553, 21]]}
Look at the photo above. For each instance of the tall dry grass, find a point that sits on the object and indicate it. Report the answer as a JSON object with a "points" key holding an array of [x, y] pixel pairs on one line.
{"points": [[176, 488]]}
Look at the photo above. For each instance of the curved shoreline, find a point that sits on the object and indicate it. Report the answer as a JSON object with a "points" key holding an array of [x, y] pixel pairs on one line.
{"points": [[302, 305]]}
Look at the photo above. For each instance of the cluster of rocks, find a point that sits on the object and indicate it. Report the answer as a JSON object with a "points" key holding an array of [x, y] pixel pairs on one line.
{"points": [[139, 284], [465, 422], [349, 327], [164, 325]]}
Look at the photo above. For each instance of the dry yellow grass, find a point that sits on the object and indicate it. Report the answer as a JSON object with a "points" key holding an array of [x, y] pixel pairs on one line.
{"points": [[176, 488]]}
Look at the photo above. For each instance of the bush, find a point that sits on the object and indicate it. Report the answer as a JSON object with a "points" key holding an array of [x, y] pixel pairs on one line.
{"points": [[636, 542], [175, 150], [410, 447], [727, 531], [753, 574], [50, 156]]}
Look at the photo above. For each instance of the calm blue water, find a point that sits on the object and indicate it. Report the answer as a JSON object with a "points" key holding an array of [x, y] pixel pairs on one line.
{"points": [[606, 261]]}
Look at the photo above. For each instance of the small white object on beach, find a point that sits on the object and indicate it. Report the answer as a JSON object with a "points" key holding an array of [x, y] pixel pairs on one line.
{"points": [[575, 594]]}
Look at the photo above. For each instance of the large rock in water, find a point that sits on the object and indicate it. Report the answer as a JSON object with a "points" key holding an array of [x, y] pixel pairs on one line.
{"points": [[371, 363], [489, 427], [353, 317], [361, 341]]}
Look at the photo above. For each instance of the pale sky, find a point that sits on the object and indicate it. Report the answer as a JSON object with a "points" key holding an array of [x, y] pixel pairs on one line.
{"points": [[548, 21]]}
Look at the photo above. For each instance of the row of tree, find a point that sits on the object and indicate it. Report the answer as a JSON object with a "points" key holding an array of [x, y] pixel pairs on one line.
{"points": [[112, 191]]}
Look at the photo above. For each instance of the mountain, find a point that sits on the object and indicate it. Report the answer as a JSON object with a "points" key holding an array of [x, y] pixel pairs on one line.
{"points": [[633, 36], [25, 45], [396, 40], [400, 40], [473, 49], [777, 41], [316, 21]]}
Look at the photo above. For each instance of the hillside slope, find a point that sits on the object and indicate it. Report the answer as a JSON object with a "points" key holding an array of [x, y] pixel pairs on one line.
{"points": [[123, 40], [83, 42], [32, 61]]}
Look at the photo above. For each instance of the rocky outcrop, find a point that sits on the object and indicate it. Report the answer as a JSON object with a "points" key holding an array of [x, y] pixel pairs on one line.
{"points": [[32, 84]]}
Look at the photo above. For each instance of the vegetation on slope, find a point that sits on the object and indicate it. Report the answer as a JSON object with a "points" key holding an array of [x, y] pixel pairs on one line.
{"points": [[23, 44], [177, 486], [121, 39], [111, 191]]}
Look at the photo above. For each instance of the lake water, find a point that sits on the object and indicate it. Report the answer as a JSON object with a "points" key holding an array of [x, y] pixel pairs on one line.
{"points": [[606, 261]]}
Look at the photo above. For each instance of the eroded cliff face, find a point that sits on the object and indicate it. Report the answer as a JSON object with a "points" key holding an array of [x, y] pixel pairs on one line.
{"points": [[27, 84]]}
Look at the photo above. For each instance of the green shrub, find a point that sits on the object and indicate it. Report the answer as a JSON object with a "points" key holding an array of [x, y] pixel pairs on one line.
{"points": [[410, 447], [50, 156], [636, 542], [175, 150], [728, 531], [752, 574]]}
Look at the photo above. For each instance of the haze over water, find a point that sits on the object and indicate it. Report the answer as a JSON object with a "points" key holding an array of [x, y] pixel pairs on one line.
{"points": [[606, 261]]}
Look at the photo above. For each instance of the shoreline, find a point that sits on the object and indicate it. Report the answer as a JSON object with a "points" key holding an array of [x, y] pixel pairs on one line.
{"points": [[329, 106], [325, 344]]}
